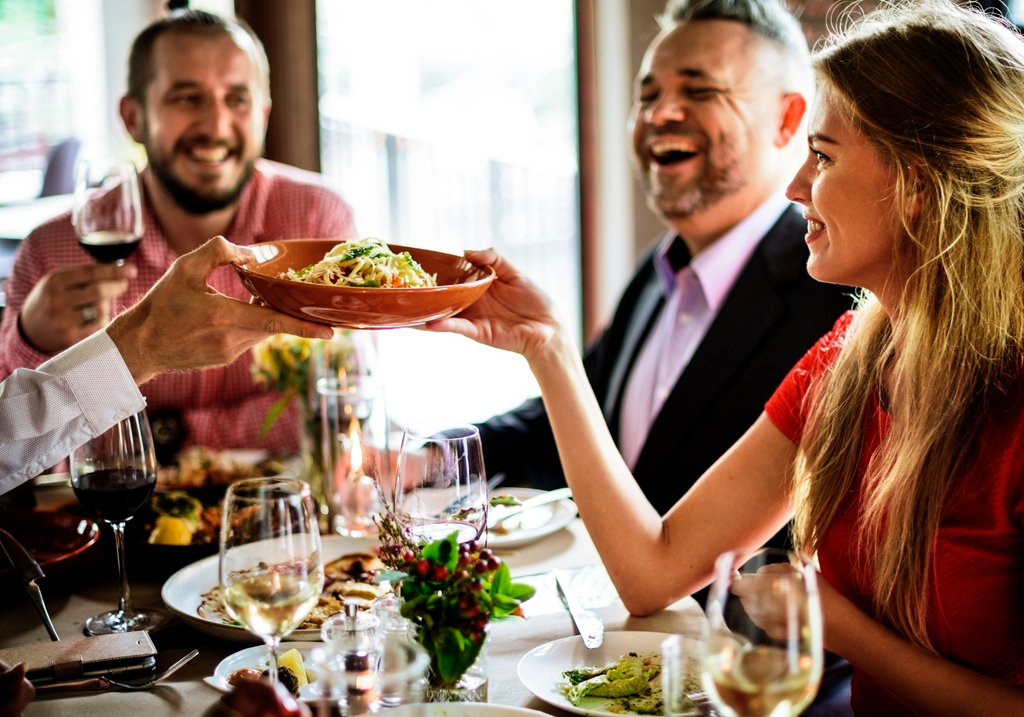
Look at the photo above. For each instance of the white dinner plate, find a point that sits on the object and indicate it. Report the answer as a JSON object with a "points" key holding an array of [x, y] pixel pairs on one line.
{"points": [[531, 526], [259, 657], [183, 591], [476, 709], [540, 670]]}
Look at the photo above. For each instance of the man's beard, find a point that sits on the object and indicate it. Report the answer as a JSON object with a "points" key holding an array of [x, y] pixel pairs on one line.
{"points": [[722, 175], [196, 201]]}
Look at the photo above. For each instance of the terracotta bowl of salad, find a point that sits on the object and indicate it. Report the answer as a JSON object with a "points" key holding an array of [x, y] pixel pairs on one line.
{"points": [[369, 306]]}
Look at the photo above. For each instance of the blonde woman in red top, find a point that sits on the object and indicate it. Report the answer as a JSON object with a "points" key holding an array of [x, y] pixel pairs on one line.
{"points": [[895, 442]]}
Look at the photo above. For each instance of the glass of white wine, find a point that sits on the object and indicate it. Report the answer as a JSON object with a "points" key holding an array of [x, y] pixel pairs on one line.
{"points": [[763, 656], [271, 562]]}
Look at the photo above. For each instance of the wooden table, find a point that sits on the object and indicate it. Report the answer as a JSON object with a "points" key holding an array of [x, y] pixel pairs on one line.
{"points": [[185, 693]]}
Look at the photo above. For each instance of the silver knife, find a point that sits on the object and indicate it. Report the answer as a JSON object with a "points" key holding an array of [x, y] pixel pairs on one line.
{"points": [[588, 623], [29, 571]]}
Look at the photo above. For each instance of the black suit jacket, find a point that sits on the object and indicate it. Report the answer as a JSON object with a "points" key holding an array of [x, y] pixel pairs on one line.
{"points": [[771, 317]]}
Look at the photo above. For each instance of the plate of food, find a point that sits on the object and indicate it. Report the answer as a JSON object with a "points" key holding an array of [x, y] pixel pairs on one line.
{"points": [[200, 467], [296, 657], [622, 676], [295, 664], [362, 283], [193, 593], [529, 526], [181, 522], [476, 709]]}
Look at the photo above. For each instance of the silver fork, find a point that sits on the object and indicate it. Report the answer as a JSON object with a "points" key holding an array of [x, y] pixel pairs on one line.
{"points": [[701, 701], [103, 682]]}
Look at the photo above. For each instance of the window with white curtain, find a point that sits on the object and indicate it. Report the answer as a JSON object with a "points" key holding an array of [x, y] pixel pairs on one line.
{"points": [[34, 94], [450, 125]]}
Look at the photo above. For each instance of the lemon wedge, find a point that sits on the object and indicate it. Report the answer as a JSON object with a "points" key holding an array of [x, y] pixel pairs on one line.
{"points": [[171, 531], [293, 661]]}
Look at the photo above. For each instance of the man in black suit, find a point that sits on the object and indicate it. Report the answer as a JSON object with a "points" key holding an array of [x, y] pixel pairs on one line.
{"points": [[723, 307]]}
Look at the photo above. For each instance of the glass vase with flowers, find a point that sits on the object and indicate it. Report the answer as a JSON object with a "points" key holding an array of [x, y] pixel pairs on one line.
{"points": [[291, 366], [451, 592]]}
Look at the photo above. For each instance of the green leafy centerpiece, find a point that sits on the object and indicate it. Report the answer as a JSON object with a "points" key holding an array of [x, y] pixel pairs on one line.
{"points": [[451, 592]]}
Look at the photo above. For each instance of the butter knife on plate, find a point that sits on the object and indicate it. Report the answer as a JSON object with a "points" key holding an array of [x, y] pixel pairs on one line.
{"points": [[29, 571], [588, 623]]}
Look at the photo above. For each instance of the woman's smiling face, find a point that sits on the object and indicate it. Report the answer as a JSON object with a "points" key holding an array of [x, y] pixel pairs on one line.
{"points": [[847, 190]]}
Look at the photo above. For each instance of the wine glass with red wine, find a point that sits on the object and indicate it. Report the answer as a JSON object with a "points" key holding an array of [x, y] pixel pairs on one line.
{"points": [[107, 213], [114, 475]]}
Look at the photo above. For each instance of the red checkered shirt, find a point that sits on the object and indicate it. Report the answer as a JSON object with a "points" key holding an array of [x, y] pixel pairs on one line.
{"points": [[222, 408]]}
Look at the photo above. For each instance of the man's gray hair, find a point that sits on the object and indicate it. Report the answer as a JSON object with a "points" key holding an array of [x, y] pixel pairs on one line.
{"points": [[769, 18]]}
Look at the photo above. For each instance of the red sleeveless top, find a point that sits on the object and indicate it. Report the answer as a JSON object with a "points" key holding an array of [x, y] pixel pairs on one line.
{"points": [[976, 597]]}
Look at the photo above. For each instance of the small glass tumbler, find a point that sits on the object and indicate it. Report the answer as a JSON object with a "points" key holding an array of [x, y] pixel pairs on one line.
{"points": [[388, 609], [351, 661], [403, 670], [681, 665], [404, 662]]}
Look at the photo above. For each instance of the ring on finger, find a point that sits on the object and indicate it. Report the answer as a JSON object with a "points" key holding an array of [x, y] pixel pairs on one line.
{"points": [[89, 315]]}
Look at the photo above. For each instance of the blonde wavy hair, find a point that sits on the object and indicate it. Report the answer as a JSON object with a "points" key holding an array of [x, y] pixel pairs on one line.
{"points": [[939, 90]]}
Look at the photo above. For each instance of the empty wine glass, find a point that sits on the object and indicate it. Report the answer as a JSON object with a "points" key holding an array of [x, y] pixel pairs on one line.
{"points": [[441, 483], [763, 656], [114, 475], [271, 563], [107, 211]]}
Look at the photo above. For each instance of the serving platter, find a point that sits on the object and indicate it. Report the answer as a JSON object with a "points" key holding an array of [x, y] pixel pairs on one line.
{"points": [[459, 284], [540, 670], [183, 591]]}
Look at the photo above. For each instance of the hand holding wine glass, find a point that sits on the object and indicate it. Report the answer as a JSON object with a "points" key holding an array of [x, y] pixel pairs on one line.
{"points": [[271, 563], [114, 474], [441, 483], [764, 653], [107, 213]]}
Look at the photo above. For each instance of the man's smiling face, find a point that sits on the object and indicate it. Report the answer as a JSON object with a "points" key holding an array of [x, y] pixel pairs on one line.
{"points": [[703, 116], [204, 119]]}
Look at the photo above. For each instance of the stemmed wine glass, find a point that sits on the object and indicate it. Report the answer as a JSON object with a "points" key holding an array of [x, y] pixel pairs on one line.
{"points": [[441, 483], [114, 474], [107, 211], [271, 563], [763, 655]]}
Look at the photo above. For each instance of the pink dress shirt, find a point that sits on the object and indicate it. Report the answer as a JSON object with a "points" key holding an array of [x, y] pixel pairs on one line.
{"points": [[694, 294]]}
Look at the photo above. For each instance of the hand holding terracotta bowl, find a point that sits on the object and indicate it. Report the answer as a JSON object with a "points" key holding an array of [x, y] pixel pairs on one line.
{"points": [[459, 284]]}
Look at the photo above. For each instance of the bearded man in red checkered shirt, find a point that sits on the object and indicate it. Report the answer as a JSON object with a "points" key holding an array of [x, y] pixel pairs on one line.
{"points": [[198, 100]]}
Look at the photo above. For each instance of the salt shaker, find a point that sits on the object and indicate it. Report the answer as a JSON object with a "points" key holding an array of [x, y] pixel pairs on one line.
{"points": [[352, 659]]}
